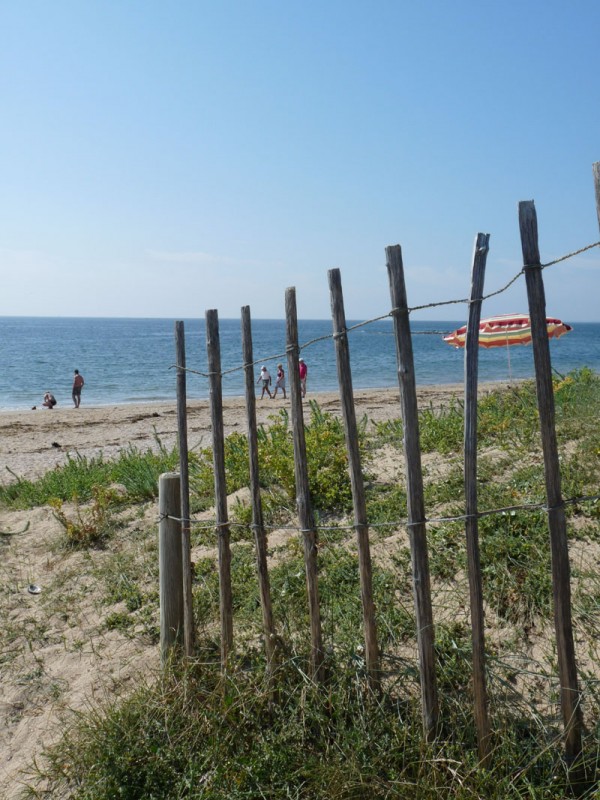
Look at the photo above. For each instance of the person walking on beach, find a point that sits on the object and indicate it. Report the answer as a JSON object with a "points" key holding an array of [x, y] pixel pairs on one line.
{"points": [[280, 381], [266, 381], [303, 369], [77, 387]]}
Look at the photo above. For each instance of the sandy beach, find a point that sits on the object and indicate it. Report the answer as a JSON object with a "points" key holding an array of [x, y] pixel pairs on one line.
{"points": [[31, 442]]}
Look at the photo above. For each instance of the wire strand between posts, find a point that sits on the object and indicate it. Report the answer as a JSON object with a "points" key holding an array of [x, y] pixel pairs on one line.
{"points": [[212, 524]]}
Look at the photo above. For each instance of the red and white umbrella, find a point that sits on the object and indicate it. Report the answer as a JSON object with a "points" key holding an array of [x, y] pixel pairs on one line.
{"points": [[506, 330]]}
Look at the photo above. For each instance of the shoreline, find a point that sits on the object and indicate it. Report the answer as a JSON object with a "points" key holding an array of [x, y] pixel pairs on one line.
{"points": [[193, 401], [33, 442]]}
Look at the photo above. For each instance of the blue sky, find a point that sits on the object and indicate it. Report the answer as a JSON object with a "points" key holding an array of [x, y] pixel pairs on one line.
{"points": [[162, 158]]}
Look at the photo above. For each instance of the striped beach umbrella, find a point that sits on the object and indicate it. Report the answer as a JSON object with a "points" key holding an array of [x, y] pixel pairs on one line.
{"points": [[505, 330]]}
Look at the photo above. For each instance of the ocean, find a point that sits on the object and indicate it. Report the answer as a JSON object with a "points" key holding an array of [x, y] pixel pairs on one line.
{"points": [[130, 360]]}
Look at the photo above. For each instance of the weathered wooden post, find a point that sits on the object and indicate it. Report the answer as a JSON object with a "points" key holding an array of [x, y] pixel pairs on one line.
{"points": [[342, 352], [470, 474], [213, 350], [303, 504], [188, 612], [561, 572], [260, 536], [417, 528], [170, 572]]}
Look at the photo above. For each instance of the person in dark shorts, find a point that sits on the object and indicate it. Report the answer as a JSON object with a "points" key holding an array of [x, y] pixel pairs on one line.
{"points": [[265, 379], [77, 387]]}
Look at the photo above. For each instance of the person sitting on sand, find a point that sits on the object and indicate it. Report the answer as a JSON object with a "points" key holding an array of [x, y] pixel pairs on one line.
{"points": [[49, 400], [266, 380]]}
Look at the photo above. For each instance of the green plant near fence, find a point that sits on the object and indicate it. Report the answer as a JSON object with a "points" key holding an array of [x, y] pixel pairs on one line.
{"points": [[197, 734], [326, 455]]}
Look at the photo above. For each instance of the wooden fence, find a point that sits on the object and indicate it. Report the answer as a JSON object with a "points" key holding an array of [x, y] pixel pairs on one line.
{"points": [[175, 568]]}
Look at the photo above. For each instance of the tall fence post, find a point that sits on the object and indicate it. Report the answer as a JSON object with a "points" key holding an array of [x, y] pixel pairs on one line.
{"points": [[414, 487], [213, 350], [188, 612], [170, 573], [470, 474], [340, 338], [561, 573], [260, 536], [303, 504]]}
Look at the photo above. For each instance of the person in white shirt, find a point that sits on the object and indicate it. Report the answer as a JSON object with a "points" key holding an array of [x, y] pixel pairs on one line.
{"points": [[266, 382]]}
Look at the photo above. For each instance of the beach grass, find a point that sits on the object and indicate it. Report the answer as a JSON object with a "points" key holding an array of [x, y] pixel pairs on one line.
{"points": [[190, 731], [194, 733]]}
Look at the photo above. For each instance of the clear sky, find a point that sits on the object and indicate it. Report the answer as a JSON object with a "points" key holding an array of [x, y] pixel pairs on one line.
{"points": [[163, 158]]}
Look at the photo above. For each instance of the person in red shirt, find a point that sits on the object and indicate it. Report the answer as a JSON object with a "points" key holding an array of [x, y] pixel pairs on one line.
{"points": [[77, 386], [303, 373]]}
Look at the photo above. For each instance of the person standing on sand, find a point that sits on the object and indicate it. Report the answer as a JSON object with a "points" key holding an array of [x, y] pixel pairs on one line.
{"points": [[266, 380], [77, 387], [280, 381], [303, 369]]}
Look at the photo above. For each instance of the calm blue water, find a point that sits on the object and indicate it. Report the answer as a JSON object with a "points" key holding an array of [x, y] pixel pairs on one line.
{"points": [[128, 360]]}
